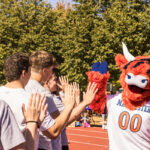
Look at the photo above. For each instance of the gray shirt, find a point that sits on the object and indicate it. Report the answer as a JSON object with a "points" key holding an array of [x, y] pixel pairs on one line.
{"points": [[10, 134], [34, 86]]}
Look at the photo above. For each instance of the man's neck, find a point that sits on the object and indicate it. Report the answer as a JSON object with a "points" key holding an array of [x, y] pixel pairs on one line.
{"points": [[15, 84], [36, 76]]}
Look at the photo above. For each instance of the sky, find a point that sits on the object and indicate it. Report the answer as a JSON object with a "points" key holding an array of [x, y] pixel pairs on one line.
{"points": [[53, 2]]}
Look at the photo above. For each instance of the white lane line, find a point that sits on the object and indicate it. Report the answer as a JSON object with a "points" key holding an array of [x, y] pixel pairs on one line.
{"points": [[85, 130], [88, 143], [88, 136]]}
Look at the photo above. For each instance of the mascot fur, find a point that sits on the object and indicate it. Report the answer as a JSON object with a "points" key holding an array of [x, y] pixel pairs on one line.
{"points": [[135, 81]]}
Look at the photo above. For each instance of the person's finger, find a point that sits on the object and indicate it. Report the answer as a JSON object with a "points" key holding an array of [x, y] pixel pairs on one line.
{"points": [[95, 90], [34, 100], [37, 101], [78, 86], [83, 95], [67, 81], [92, 86], [60, 79], [43, 103], [59, 85], [63, 79], [89, 85], [30, 100]]}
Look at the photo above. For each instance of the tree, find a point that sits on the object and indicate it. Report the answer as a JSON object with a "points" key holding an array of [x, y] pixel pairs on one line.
{"points": [[25, 26], [126, 21]]}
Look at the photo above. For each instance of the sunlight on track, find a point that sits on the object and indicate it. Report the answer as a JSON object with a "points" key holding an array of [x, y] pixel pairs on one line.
{"points": [[88, 143], [76, 129], [88, 136]]}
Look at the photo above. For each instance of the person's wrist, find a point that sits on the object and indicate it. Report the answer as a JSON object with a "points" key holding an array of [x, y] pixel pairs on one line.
{"points": [[33, 122], [85, 103], [68, 107]]}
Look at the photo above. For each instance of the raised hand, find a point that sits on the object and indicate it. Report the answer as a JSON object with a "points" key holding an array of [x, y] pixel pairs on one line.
{"points": [[88, 97], [63, 82], [77, 93], [44, 107], [69, 98], [36, 109]]}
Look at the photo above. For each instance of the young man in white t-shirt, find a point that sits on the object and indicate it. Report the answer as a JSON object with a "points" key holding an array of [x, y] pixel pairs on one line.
{"points": [[42, 64], [11, 136], [17, 73]]}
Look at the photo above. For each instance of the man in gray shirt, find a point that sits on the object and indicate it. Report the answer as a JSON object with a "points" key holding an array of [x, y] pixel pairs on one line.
{"points": [[10, 134]]}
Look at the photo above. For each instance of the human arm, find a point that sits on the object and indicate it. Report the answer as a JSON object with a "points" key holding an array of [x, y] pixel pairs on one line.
{"points": [[34, 116], [88, 97], [61, 120]]}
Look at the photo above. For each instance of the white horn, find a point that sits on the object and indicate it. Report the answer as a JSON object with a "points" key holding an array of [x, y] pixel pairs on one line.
{"points": [[126, 53]]}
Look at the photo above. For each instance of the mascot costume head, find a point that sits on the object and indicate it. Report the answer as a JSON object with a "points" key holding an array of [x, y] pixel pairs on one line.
{"points": [[134, 79]]}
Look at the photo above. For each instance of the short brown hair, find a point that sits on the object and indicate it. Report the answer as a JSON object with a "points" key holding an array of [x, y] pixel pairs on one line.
{"points": [[14, 65], [42, 59]]}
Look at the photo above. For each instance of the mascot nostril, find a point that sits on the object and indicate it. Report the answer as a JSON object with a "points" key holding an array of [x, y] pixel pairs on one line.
{"points": [[129, 77]]}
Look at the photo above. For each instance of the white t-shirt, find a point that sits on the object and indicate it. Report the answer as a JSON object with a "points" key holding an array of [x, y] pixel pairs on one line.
{"points": [[128, 130], [15, 97], [35, 87], [10, 134]]}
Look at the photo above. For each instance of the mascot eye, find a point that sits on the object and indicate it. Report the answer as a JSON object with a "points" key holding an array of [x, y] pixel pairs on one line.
{"points": [[129, 77], [144, 80]]}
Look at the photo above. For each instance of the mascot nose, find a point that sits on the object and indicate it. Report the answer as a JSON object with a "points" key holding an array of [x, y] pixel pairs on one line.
{"points": [[137, 80]]}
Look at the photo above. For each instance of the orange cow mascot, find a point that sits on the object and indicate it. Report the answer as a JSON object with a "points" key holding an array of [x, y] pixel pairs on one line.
{"points": [[135, 80]]}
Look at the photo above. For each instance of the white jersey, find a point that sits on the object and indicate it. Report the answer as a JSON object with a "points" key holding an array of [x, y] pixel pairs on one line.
{"points": [[128, 130], [15, 97]]}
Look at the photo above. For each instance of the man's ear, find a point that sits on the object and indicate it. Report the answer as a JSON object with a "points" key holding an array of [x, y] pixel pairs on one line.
{"points": [[43, 70], [121, 61], [23, 73]]}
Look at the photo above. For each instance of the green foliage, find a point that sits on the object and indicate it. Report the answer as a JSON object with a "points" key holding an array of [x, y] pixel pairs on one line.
{"points": [[25, 26], [92, 31]]}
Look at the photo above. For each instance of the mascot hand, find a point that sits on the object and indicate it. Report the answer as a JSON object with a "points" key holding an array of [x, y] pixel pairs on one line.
{"points": [[99, 75]]}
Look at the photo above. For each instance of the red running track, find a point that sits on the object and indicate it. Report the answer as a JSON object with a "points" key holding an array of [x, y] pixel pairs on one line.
{"points": [[92, 138]]}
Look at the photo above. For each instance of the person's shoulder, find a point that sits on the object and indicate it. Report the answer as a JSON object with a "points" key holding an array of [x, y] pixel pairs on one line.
{"points": [[48, 93], [34, 87], [3, 89], [4, 107], [3, 104], [18, 95], [32, 83]]}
